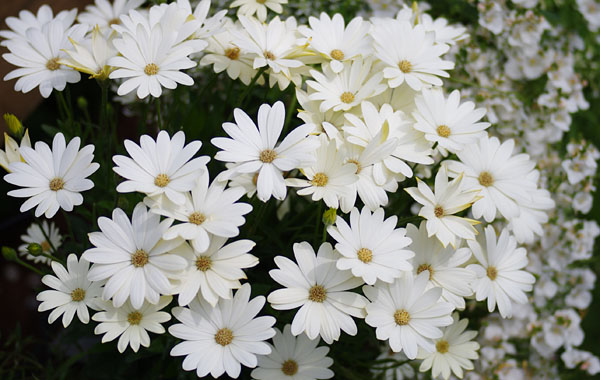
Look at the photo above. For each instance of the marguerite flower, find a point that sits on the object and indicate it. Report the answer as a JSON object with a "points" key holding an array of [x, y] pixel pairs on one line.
{"points": [[133, 258], [453, 351], [220, 339], [73, 292], [26, 20], [207, 210], [38, 57], [328, 37], [409, 54], [258, 7], [214, 272], [46, 235], [52, 179], [91, 56], [104, 14], [371, 247], [131, 324], [443, 264], [500, 275], [11, 152], [439, 207], [407, 314], [448, 122], [164, 166], [255, 150], [320, 290], [348, 88], [294, 358]]}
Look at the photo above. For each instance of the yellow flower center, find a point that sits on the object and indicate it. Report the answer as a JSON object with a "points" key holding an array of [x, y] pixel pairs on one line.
{"points": [[203, 263], [317, 294], [114, 21], [405, 66], [486, 179], [365, 255], [443, 131], [56, 184], [355, 162], [261, 1], [347, 97], [139, 258], [425, 267], [162, 180], [197, 218], [320, 179], [134, 318], [233, 53], [337, 54], [151, 69], [53, 64], [224, 336], [289, 367], [78, 295], [45, 246], [438, 211], [442, 346], [267, 156], [401, 317], [270, 56], [492, 273]]}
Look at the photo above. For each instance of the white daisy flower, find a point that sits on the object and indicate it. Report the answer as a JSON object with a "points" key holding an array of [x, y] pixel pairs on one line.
{"points": [[38, 57], [331, 39], [348, 88], [131, 324], [310, 112], [26, 20], [453, 351], [448, 122], [133, 258], [11, 152], [385, 124], [371, 247], [407, 314], [52, 178], [220, 339], [151, 60], [439, 207], [443, 265], [320, 290], [91, 55], [329, 177], [46, 235], [409, 54], [104, 14], [206, 210], [213, 273], [161, 167], [258, 7], [500, 275], [72, 293], [501, 176], [294, 358], [255, 149]]}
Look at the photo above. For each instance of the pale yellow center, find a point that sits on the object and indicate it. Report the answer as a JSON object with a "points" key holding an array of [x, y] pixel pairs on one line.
{"points": [[45, 246], [320, 179], [317, 294], [486, 179], [425, 267], [114, 21], [197, 218], [78, 295], [56, 184], [224, 336], [443, 131], [53, 64], [289, 367], [405, 66], [442, 346], [162, 180], [337, 54], [438, 211], [267, 156], [151, 69], [492, 273], [203, 263], [365, 255], [134, 318], [347, 97], [233, 53], [270, 56], [401, 317], [139, 258]]}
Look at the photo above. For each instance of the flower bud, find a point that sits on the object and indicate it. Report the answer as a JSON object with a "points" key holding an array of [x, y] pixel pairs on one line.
{"points": [[9, 254], [35, 249], [14, 124], [329, 216]]}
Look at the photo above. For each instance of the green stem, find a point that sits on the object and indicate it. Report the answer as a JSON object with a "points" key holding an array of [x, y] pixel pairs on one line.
{"points": [[52, 247], [290, 112], [65, 108], [28, 266], [409, 219], [158, 114], [318, 221], [103, 105], [244, 94], [69, 226], [53, 258]]}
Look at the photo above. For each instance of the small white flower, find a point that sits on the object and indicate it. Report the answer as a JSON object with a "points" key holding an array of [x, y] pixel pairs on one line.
{"points": [[220, 339], [448, 122], [258, 7], [255, 149], [131, 324], [371, 247], [164, 166], [320, 290], [104, 14], [26, 20], [294, 358], [500, 275], [453, 351], [91, 55], [407, 314], [439, 207], [206, 210], [133, 258], [214, 272], [11, 152], [46, 235], [72, 293], [52, 179]]}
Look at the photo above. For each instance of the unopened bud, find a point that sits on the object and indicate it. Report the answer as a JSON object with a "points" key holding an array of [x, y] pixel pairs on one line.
{"points": [[9, 254], [82, 103], [329, 216], [14, 124], [35, 249]]}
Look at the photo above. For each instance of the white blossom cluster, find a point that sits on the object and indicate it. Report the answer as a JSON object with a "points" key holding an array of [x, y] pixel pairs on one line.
{"points": [[378, 119]]}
